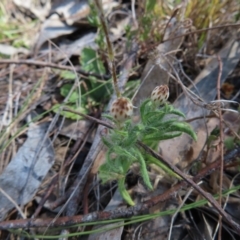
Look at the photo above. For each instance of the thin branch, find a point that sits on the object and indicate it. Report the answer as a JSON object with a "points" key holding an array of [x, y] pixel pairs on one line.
{"points": [[178, 210], [103, 123], [14, 203], [200, 117], [53, 65], [203, 30], [112, 64], [221, 143]]}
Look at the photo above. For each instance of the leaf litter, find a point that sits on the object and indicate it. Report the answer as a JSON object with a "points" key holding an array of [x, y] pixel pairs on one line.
{"points": [[187, 63]]}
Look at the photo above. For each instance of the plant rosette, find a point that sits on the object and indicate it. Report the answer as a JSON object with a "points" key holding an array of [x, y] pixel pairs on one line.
{"points": [[156, 124]]}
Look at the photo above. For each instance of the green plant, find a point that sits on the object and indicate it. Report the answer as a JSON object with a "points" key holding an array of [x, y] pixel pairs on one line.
{"points": [[90, 91], [13, 32], [147, 19], [155, 124]]}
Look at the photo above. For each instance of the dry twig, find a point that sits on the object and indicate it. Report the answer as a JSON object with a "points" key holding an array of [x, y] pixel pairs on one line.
{"points": [[221, 144], [53, 65]]}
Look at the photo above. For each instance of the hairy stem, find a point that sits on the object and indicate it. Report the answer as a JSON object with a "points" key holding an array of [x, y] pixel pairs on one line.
{"points": [[109, 47], [124, 192]]}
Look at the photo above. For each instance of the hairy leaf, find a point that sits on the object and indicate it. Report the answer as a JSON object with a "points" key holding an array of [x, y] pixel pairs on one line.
{"points": [[165, 136], [144, 109], [144, 171], [124, 192], [183, 127]]}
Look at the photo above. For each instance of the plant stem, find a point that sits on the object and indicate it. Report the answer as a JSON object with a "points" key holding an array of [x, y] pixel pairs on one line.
{"points": [[109, 47], [166, 169], [124, 192]]}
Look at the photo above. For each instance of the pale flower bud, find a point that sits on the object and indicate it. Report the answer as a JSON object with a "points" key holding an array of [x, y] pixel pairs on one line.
{"points": [[121, 109], [160, 94]]}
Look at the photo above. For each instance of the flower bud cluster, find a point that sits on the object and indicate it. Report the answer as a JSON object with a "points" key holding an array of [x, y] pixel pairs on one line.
{"points": [[160, 94], [121, 109]]}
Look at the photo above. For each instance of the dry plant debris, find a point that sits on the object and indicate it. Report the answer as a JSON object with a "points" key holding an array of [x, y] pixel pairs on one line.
{"points": [[65, 65]]}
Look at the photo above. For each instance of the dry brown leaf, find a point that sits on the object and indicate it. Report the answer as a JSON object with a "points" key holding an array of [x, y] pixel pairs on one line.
{"points": [[206, 84]]}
